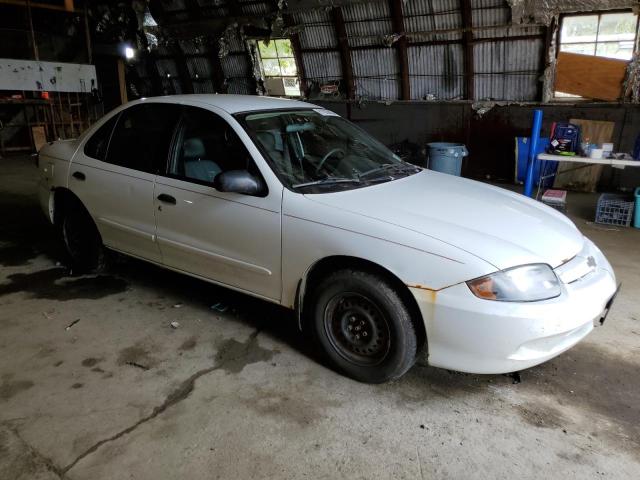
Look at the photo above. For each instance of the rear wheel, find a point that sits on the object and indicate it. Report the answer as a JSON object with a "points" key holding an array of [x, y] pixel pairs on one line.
{"points": [[363, 326], [82, 240]]}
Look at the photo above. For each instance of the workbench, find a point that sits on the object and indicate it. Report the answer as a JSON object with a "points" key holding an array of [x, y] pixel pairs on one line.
{"points": [[613, 162]]}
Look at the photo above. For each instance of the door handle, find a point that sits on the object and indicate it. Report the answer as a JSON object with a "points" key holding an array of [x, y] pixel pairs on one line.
{"points": [[163, 197], [79, 176]]}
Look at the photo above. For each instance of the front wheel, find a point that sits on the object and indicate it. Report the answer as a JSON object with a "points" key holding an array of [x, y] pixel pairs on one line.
{"points": [[363, 326]]}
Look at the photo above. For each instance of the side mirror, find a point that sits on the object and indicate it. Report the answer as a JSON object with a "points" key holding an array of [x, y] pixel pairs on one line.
{"points": [[239, 181]]}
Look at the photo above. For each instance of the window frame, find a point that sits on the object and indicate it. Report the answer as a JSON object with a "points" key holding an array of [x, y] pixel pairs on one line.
{"points": [[241, 118], [278, 57], [558, 43], [156, 164], [599, 13], [115, 118], [174, 151]]}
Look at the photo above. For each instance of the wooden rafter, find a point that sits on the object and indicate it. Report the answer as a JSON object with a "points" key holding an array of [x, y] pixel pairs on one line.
{"points": [[397, 20], [297, 52], [345, 52], [183, 69], [467, 39]]}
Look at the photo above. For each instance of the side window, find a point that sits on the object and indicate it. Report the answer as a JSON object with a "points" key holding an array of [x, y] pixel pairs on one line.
{"points": [[142, 137], [207, 145], [96, 146]]}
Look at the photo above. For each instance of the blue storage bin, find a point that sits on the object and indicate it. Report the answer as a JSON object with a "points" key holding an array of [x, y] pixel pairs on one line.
{"points": [[447, 157]]}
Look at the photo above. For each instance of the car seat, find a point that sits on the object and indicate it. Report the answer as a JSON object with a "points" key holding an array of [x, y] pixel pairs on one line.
{"points": [[195, 166], [272, 142]]}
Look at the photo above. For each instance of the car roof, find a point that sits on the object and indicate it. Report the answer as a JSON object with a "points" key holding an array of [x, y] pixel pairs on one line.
{"points": [[233, 103]]}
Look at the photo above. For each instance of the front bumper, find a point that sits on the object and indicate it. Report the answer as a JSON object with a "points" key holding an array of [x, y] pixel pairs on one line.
{"points": [[469, 334]]}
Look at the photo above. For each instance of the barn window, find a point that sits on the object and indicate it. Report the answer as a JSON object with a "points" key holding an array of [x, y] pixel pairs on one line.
{"points": [[604, 34], [279, 67]]}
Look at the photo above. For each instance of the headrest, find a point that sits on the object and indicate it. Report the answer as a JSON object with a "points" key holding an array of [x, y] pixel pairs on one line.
{"points": [[272, 140], [193, 148]]}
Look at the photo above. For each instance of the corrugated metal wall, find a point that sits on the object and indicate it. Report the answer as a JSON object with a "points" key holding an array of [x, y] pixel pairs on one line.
{"points": [[507, 59], [505, 69], [323, 65]]}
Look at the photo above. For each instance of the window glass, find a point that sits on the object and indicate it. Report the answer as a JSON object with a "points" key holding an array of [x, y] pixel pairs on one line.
{"points": [[605, 35], [268, 50], [277, 58], [620, 50], [283, 46], [96, 146], [142, 137], [579, 28], [207, 146], [315, 151], [617, 26], [610, 35], [288, 67], [582, 48], [271, 67]]}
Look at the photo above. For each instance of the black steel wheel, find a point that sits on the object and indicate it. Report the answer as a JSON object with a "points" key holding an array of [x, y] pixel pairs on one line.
{"points": [[363, 326], [357, 329]]}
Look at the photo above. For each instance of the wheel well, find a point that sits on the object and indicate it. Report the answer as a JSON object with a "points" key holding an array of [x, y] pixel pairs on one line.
{"points": [[327, 265], [64, 200]]}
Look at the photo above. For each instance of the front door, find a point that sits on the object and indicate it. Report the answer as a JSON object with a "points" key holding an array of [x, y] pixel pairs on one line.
{"points": [[229, 238]]}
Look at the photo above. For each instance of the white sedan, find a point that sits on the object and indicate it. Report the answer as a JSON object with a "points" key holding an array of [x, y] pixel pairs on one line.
{"points": [[289, 202]]}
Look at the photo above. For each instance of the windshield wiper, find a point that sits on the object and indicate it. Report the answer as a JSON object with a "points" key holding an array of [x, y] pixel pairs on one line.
{"points": [[327, 181], [390, 168]]}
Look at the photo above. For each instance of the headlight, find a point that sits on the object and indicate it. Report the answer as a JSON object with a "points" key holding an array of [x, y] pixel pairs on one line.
{"points": [[527, 283]]}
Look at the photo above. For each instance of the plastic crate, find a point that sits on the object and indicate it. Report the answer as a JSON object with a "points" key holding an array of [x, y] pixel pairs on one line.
{"points": [[614, 209]]}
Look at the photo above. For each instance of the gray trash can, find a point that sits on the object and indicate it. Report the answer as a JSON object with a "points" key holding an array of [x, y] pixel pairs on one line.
{"points": [[447, 157]]}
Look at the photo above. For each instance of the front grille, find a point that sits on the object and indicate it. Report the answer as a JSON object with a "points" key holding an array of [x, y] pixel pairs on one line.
{"points": [[579, 267]]}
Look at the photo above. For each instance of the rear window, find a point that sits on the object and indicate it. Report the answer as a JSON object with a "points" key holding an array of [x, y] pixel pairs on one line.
{"points": [[142, 136], [96, 147]]}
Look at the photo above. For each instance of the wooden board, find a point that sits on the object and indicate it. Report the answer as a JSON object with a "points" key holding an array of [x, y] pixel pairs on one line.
{"points": [[589, 76], [585, 179], [39, 137]]}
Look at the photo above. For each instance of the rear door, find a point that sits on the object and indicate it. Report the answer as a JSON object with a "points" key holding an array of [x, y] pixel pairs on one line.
{"points": [[114, 174], [230, 238]]}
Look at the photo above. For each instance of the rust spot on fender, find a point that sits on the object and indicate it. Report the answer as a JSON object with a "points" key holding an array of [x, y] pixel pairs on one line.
{"points": [[429, 294], [421, 287]]}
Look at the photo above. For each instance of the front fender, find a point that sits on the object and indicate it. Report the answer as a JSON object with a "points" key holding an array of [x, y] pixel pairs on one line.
{"points": [[312, 231]]}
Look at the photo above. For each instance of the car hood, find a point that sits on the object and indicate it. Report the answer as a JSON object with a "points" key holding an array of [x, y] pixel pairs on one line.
{"points": [[501, 227]]}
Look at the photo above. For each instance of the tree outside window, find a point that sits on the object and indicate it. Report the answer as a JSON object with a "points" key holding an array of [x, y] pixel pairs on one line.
{"points": [[277, 58]]}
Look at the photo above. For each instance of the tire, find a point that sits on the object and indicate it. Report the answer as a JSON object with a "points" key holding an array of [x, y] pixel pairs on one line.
{"points": [[82, 240], [362, 325]]}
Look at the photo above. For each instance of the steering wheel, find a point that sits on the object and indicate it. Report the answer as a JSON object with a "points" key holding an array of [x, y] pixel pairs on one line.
{"points": [[326, 157]]}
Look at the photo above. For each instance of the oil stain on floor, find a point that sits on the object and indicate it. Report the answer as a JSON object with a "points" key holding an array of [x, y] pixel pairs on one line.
{"points": [[10, 387], [56, 284]]}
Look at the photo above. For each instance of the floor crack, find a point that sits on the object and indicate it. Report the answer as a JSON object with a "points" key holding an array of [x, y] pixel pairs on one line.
{"points": [[180, 393], [35, 453]]}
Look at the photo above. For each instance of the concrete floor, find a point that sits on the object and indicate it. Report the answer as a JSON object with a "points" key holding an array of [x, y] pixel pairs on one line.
{"points": [[94, 382]]}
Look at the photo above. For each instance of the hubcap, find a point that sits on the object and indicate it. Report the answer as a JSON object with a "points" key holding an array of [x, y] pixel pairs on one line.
{"points": [[357, 329]]}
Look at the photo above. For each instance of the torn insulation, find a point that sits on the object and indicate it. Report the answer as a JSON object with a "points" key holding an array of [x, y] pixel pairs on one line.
{"points": [[543, 11], [549, 74]]}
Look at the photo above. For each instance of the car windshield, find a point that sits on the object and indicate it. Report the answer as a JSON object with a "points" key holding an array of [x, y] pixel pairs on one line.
{"points": [[317, 151]]}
